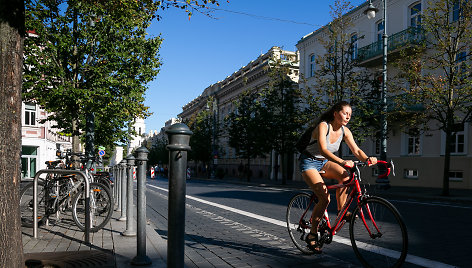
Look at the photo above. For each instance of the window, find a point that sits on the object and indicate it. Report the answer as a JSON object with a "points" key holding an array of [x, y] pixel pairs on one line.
{"points": [[331, 57], [456, 175], [380, 30], [354, 47], [30, 114], [461, 65], [410, 173], [413, 142], [415, 15], [458, 140], [312, 65], [28, 161], [457, 9]]}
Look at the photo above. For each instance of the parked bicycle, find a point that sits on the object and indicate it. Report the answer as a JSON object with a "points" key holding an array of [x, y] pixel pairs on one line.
{"points": [[60, 193], [377, 231]]}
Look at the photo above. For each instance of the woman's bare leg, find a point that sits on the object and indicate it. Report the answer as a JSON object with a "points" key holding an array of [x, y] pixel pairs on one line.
{"points": [[314, 180], [335, 171]]}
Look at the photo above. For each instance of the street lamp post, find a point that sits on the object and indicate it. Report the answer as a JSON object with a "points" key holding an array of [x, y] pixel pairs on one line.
{"points": [[370, 12]]}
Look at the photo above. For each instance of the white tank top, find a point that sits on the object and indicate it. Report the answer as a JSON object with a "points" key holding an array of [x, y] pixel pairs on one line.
{"points": [[313, 147]]}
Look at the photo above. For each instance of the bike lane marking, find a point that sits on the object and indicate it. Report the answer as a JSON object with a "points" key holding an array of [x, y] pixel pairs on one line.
{"points": [[436, 203], [339, 239]]}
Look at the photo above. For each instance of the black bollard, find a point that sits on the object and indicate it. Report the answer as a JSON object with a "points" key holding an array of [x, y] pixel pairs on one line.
{"points": [[123, 190], [115, 186], [118, 187], [130, 229], [179, 138], [141, 160]]}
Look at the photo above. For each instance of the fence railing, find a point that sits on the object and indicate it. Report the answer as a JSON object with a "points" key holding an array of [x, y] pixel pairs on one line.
{"points": [[409, 36]]}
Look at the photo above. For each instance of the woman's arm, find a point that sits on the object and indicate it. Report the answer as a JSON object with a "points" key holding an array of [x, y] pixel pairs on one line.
{"points": [[358, 153]]}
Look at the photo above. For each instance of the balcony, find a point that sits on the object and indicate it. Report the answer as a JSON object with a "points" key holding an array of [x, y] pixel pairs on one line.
{"points": [[369, 54]]}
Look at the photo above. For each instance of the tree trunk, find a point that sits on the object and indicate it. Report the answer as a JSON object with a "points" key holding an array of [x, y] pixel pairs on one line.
{"points": [[75, 137], [12, 21], [447, 160], [284, 167], [248, 169], [276, 166]]}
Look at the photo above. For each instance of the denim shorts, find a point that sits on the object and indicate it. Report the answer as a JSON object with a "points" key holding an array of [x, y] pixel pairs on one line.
{"points": [[307, 163]]}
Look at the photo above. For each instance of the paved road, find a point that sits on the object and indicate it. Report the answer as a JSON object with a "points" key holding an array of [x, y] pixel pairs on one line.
{"points": [[229, 225]]}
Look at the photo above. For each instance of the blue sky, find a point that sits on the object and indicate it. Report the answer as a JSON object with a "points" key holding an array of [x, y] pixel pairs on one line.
{"points": [[201, 51]]}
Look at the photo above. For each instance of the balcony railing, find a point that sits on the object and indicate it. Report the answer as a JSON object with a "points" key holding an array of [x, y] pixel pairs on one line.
{"points": [[411, 35]]}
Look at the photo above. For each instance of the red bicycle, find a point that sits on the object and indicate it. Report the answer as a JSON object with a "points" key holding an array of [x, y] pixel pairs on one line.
{"points": [[377, 231]]}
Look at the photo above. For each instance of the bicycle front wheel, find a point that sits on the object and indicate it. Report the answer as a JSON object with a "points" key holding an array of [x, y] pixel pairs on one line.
{"points": [[382, 241], [298, 220], [101, 208]]}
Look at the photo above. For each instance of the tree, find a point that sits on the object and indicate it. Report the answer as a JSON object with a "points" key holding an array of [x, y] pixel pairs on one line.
{"points": [[205, 131], [87, 57], [439, 78], [158, 153], [281, 113], [245, 129], [11, 51]]}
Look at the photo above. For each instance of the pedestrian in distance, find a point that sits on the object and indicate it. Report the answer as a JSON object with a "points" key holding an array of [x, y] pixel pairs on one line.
{"points": [[318, 161]]}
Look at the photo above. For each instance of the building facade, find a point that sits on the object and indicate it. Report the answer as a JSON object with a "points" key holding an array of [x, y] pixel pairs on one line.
{"points": [[154, 136], [39, 141], [137, 139], [253, 76], [418, 156]]}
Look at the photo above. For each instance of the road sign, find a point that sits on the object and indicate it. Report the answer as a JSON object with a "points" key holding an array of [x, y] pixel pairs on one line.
{"points": [[101, 153]]}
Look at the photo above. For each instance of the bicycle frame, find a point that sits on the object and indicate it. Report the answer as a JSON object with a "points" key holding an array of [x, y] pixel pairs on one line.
{"points": [[54, 184]]}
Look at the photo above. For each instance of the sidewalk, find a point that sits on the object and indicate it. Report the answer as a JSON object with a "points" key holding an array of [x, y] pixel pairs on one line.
{"points": [[62, 245]]}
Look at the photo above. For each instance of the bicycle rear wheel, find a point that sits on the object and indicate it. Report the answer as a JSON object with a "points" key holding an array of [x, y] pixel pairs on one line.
{"points": [[26, 204], [387, 245], [101, 208], [298, 220]]}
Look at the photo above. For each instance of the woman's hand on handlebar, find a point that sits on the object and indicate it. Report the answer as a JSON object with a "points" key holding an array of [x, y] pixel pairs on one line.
{"points": [[348, 164], [371, 160]]}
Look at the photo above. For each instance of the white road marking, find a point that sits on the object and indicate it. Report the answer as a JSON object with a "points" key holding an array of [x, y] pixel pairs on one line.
{"points": [[337, 238], [429, 204]]}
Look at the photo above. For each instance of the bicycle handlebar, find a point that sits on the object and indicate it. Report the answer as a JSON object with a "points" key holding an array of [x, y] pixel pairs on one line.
{"points": [[389, 168]]}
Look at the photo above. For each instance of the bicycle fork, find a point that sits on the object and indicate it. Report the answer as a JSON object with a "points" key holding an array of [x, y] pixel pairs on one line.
{"points": [[364, 205]]}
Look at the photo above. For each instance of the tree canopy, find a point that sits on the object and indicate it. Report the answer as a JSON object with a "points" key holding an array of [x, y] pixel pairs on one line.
{"points": [[94, 57], [85, 57]]}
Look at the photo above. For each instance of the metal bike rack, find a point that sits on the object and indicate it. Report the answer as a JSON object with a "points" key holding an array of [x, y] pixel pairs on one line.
{"points": [[87, 198]]}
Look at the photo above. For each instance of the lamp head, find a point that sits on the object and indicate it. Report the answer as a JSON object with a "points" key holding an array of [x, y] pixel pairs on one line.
{"points": [[370, 11]]}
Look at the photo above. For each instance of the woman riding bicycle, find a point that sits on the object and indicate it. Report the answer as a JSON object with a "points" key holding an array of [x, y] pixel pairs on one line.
{"points": [[320, 161]]}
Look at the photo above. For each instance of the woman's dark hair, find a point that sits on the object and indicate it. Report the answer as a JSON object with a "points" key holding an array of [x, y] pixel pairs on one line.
{"points": [[328, 116]]}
